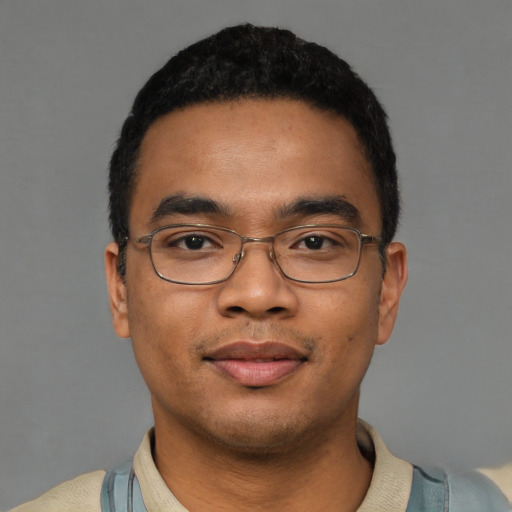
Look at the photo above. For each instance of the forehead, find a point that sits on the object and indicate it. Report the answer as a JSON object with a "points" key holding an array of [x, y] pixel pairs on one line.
{"points": [[254, 156]]}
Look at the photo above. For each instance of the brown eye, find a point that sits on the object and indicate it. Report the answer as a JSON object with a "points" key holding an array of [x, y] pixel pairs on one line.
{"points": [[194, 242], [189, 242], [314, 242]]}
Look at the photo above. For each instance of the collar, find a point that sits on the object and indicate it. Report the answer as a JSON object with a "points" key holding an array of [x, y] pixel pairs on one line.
{"points": [[391, 482], [388, 492]]}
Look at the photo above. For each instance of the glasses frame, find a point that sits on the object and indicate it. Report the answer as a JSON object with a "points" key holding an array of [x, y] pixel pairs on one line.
{"points": [[364, 239]]}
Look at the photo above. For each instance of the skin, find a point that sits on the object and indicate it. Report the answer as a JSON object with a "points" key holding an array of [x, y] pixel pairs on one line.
{"points": [[290, 445]]}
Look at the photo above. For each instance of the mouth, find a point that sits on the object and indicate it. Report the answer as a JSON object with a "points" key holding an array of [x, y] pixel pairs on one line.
{"points": [[256, 364]]}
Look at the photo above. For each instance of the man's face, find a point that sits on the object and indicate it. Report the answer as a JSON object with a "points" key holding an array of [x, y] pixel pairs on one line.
{"points": [[258, 361]]}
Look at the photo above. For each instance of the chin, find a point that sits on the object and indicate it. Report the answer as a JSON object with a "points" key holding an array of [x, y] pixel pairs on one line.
{"points": [[256, 436]]}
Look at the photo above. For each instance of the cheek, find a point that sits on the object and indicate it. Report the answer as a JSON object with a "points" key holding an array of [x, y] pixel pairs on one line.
{"points": [[346, 329], [351, 312], [164, 322], [166, 310]]}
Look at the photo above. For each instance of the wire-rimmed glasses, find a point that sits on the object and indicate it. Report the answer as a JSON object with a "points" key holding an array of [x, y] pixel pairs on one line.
{"points": [[199, 254]]}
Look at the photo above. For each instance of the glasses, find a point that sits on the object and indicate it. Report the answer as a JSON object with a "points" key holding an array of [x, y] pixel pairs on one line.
{"points": [[195, 254]]}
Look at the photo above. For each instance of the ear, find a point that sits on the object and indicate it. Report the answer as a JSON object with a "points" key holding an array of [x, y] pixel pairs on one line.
{"points": [[117, 292], [393, 284]]}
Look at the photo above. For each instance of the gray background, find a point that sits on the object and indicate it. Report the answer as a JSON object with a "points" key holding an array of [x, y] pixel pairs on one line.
{"points": [[71, 399]]}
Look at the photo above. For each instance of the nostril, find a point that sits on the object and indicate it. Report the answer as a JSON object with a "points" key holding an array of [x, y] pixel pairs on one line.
{"points": [[272, 311], [236, 309]]}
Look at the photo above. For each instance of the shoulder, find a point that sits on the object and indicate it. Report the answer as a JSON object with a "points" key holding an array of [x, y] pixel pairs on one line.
{"points": [[502, 477], [469, 491], [82, 494]]}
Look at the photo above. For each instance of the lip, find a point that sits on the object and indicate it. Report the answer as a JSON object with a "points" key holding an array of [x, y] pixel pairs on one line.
{"points": [[256, 364]]}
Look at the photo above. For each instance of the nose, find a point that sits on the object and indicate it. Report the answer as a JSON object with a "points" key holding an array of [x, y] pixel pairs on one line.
{"points": [[257, 288]]}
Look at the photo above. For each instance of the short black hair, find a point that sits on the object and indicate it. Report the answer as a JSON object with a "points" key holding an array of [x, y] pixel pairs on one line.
{"points": [[245, 61]]}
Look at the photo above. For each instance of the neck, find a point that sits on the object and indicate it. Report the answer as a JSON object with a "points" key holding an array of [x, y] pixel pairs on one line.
{"points": [[325, 471]]}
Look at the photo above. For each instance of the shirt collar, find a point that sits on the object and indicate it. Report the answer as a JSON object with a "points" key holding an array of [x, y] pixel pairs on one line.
{"points": [[388, 492]]}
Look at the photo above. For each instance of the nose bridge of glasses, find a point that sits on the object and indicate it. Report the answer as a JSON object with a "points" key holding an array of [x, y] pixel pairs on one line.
{"points": [[268, 240]]}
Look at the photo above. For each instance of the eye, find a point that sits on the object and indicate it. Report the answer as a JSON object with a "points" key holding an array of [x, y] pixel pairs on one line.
{"points": [[315, 242], [173, 241], [322, 242], [191, 242]]}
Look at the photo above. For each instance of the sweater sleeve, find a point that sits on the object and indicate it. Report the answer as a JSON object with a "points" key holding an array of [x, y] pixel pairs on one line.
{"points": [[82, 494]]}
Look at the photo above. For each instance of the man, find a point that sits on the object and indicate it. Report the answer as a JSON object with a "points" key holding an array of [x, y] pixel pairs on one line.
{"points": [[253, 205]]}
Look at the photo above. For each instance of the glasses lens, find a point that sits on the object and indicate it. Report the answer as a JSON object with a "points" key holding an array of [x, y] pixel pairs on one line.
{"points": [[193, 254], [318, 254]]}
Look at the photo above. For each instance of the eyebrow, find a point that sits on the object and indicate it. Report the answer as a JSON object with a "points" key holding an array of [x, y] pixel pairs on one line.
{"points": [[181, 204], [303, 206], [333, 205]]}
